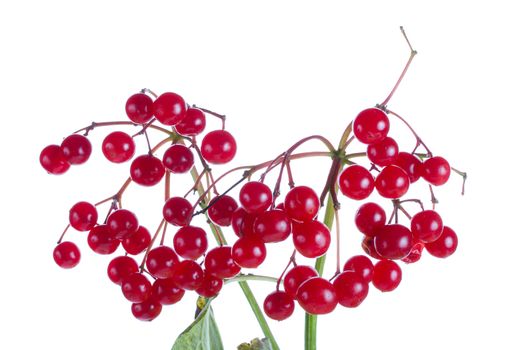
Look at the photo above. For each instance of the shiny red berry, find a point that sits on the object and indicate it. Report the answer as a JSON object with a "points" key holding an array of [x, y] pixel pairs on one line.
{"points": [[147, 310], [139, 108], [317, 296], [392, 182], [122, 223], [221, 210], [370, 217], [361, 265], [255, 197], [311, 239], [249, 251], [415, 253], [426, 226], [393, 241], [178, 159], [120, 267], [118, 147], [177, 211], [356, 182], [435, 171], [371, 125], [445, 245], [193, 123], [243, 222], [53, 161], [278, 305], [166, 291], [136, 287], [66, 255], [190, 242], [137, 242], [83, 216], [301, 204], [218, 147], [147, 170], [369, 248], [296, 276], [272, 226], [76, 149], [210, 286], [162, 261], [102, 241], [384, 152], [351, 288], [169, 108], [188, 275], [219, 262], [410, 164], [387, 275]]}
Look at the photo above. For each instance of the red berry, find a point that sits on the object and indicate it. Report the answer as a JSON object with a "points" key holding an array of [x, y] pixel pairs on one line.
{"points": [[136, 287], [392, 182], [101, 240], [219, 262], [351, 288], [190, 242], [120, 267], [193, 123], [76, 149], [272, 226], [139, 108], [162, 261], [393, 241], [137, 242], [66, 255], [361, 265], [384, 152], [188, 275], [210, 286], [178, 159], [122, 223], [410, 164], [255, 197], [387, 275], [356, 182], [369, 248], [147, 310], [249, 251], [435, 170], [301, 204], [53, 161], [147, 170], [317, 296], [311, 239], [296, 276], [166, 291], [177, 211], [278, 305], [369, 218], [445, 245], [243, 222], [218, 147], [426, 226], [169, 108], [83, 216], [415, 253], [118, 147], [371, 125], [221, 210]]}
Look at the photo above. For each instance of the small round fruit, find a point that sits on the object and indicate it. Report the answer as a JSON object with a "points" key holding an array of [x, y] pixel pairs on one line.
{"points": [[218, 147], [410, 164], [426, 226], [356, 182], [210, 286], [102, 241], [66, 255], [166, 291], [301, 204], [435, 170], [370, 217], [278, 305], [361, 265], [445, 245], [243, 222], [193, 123], [118, 147], [369, 248], [139, 108], [392, 182], [384, 152], [296, 276], [221, 210], [188, 275], [147, 310], [83, 216], [53, 161], [249, 251], [317, 296], [76, 149], [136, 287], [393, 241], [387, 275], [169, 108], [121, 267], [351, 288], [178, 159], [177, 211], [255, 197], [219, 262], [371, 125], [190, 242], [122, 223], [137, 242], [272, 226], [162, 262], [147, 170], [311, 239]]}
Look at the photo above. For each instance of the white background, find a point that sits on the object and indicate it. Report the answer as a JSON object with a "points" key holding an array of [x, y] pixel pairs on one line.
{"points": [[280, 71]]}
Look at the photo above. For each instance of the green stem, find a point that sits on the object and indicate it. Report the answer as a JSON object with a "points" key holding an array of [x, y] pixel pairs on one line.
{"points": [[251, 277]]}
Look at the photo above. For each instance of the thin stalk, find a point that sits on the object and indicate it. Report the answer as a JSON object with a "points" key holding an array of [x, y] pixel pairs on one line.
{"points": [[250, 277]]}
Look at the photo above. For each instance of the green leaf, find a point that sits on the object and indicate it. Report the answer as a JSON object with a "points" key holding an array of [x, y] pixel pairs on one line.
{"points": [[202, 334]]}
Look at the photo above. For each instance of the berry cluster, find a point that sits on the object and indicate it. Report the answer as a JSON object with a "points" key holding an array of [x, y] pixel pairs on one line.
{"points": [[256, 217]]}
